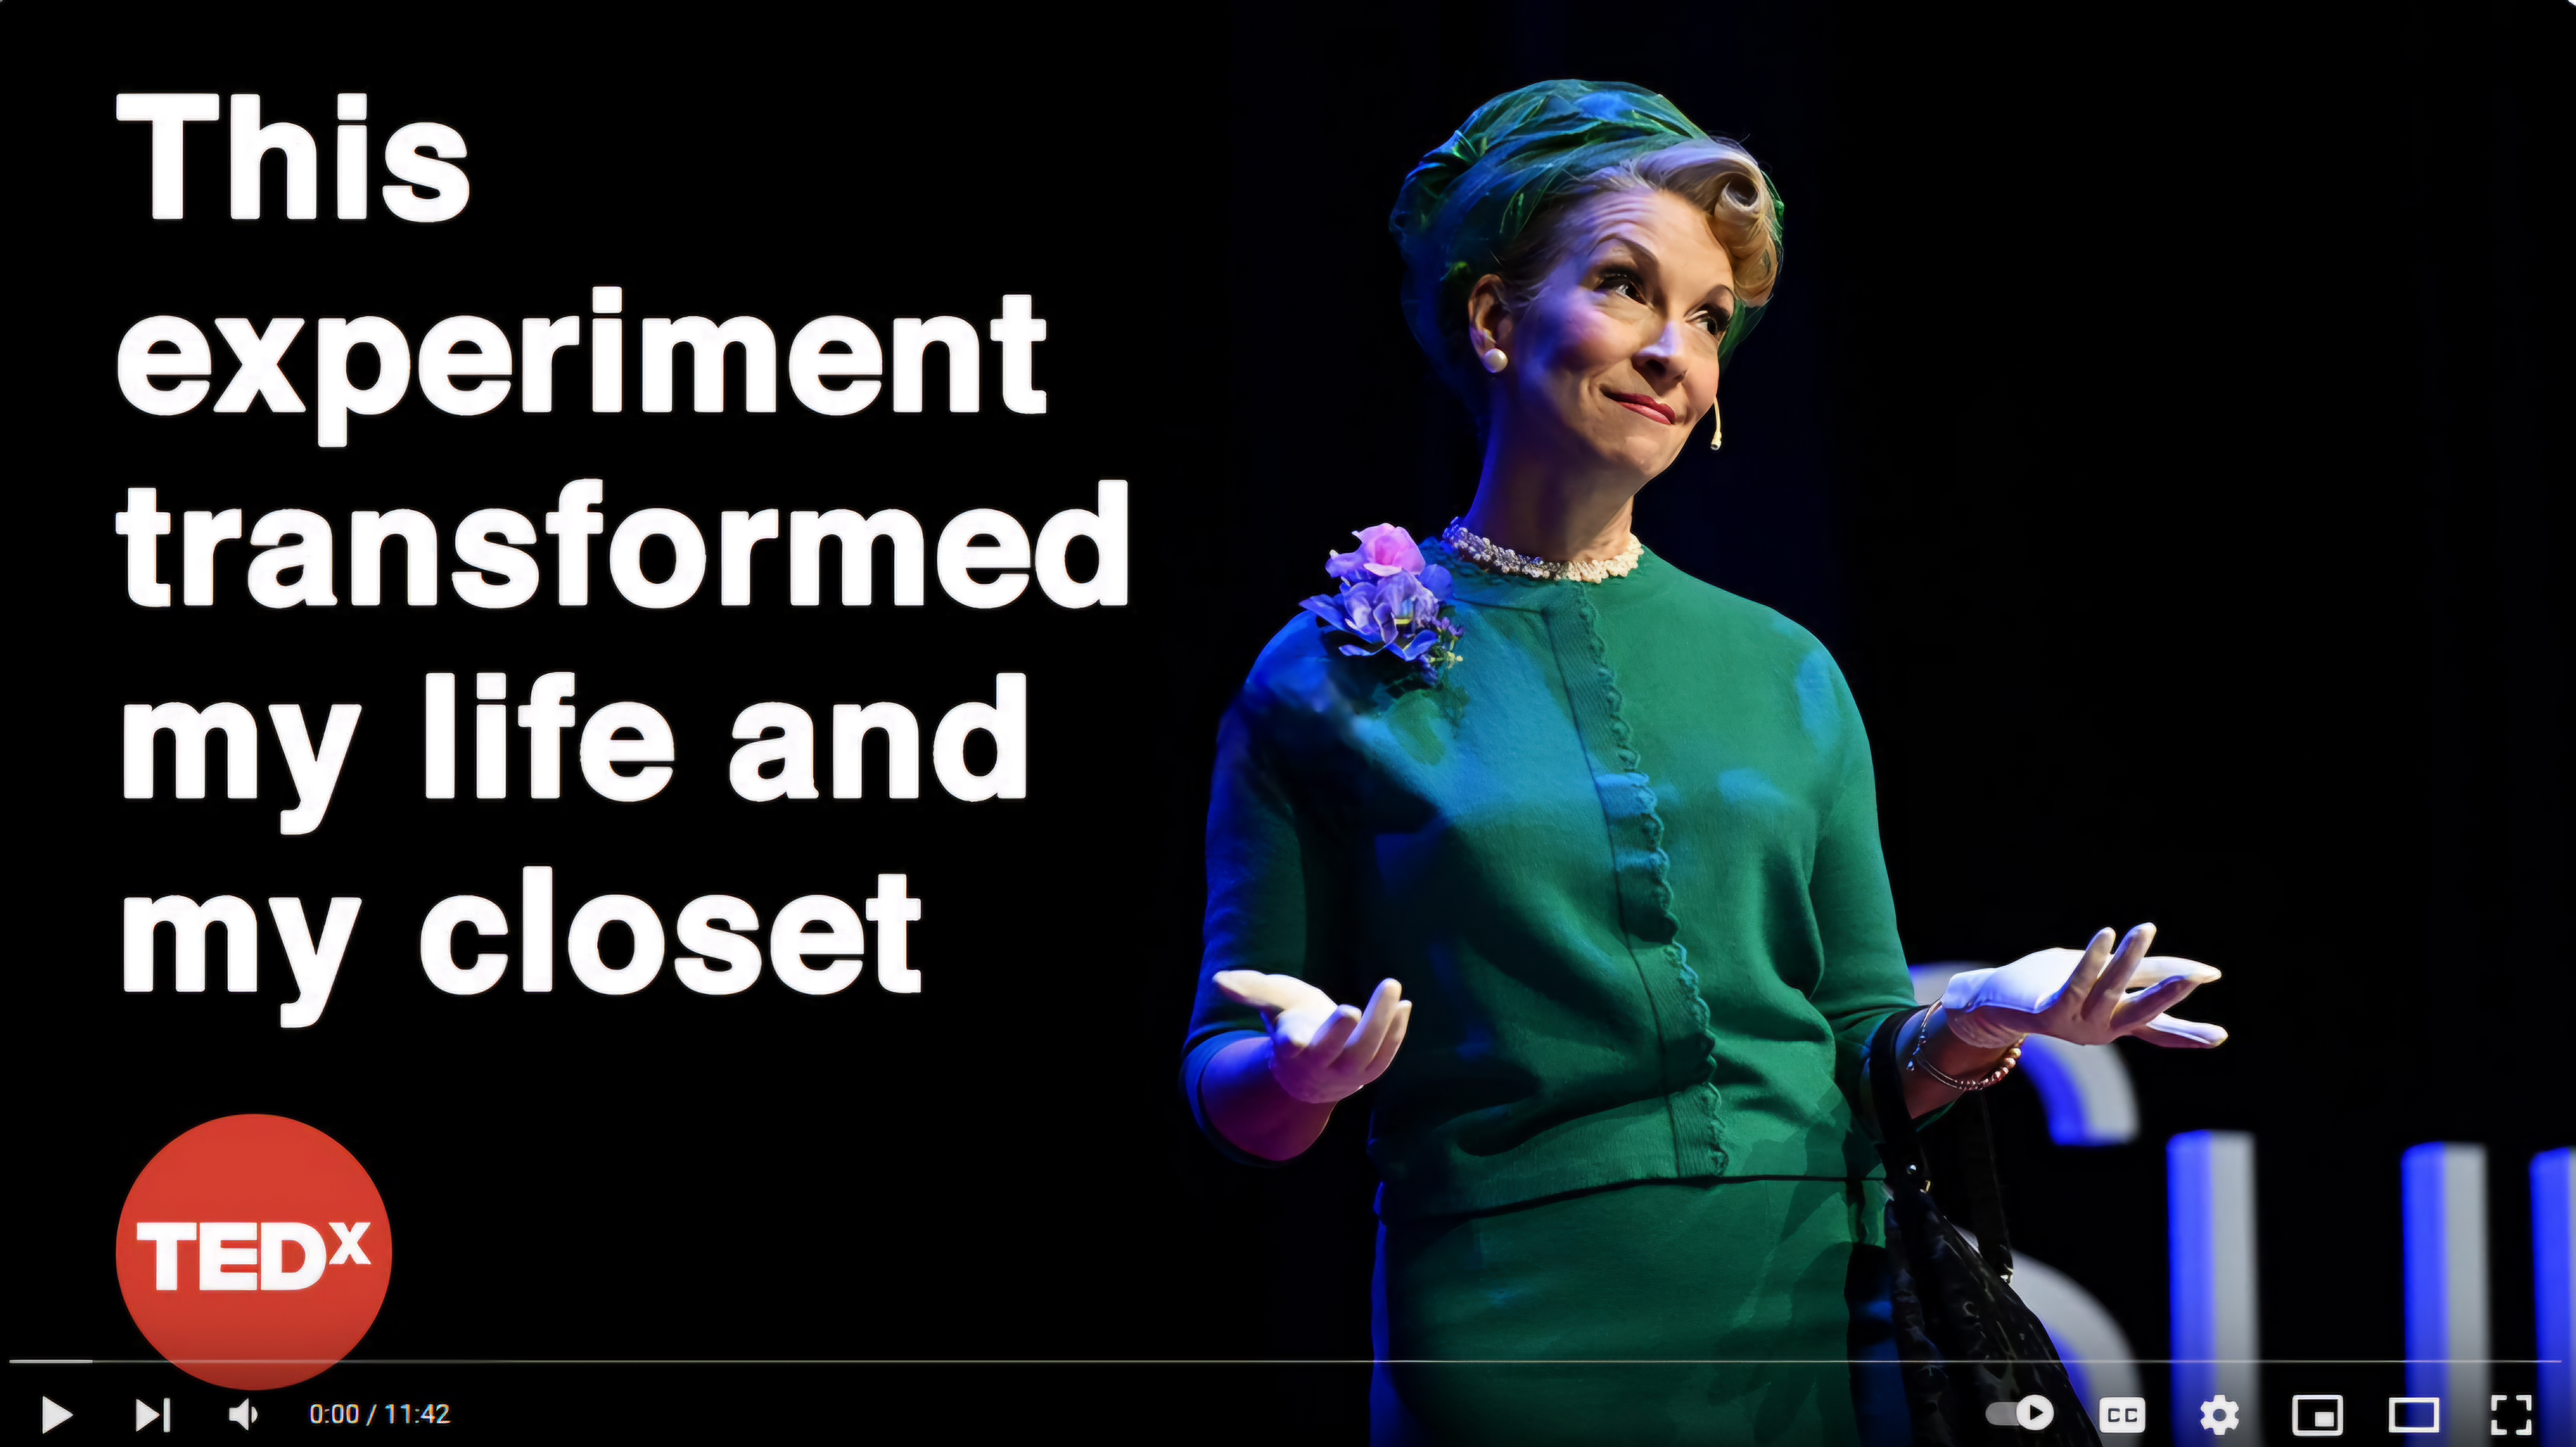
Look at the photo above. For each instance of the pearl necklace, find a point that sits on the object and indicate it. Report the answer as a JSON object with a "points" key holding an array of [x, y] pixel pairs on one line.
{"points": [[1493, 557]]}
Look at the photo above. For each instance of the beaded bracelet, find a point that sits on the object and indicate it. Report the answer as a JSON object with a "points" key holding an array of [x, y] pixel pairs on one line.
{"points": [[1915, 1062]]}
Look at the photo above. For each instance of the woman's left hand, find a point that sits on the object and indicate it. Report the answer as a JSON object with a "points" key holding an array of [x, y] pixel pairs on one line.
{"points": [[2081, 996]]}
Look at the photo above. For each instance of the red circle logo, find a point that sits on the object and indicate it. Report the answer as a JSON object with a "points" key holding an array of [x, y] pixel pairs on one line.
{"points": [[254, 1252]]}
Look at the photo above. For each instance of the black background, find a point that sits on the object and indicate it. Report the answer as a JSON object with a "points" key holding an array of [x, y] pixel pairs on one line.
{"points": [[2163, 419]]}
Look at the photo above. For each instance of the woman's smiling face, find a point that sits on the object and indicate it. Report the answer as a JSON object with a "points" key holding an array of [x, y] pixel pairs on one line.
{"points": [[1613, 355]]}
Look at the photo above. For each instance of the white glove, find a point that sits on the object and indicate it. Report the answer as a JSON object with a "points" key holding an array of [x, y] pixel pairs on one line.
{"points": [[2081, 996], [1320, 1051]]}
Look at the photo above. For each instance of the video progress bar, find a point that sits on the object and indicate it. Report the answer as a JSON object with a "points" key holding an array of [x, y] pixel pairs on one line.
{"points": [[1234, 1361]]}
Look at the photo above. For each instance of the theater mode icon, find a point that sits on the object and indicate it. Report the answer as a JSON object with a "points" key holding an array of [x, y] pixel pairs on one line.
{"points": [[2120, 1415], [2316, 1415], [2401, 1411]]}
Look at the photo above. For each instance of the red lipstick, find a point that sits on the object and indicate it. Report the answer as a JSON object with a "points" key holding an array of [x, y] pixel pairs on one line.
{"points": [[1644, 406]]}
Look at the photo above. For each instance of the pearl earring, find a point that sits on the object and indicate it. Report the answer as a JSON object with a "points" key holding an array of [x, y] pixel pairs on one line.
{"points": [[1494, 359], [1716, 428]]}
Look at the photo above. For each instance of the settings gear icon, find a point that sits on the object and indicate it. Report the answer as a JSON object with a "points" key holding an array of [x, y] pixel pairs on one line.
{"points": [[2218, 1415]]}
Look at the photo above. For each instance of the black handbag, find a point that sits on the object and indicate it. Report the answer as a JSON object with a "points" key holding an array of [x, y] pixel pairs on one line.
{"points": [[1971, 1351]]}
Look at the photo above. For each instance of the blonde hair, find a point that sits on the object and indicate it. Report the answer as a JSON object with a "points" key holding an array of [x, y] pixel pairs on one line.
{"points": [[1719, 178]]}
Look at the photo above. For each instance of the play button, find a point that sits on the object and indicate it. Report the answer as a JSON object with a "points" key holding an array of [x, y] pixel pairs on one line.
{"points": [[55, 1415]]}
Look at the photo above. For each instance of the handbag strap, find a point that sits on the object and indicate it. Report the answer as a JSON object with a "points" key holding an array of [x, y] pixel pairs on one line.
{"points": [[1902, 1148], [1898, 1145], [1985, 1188]]}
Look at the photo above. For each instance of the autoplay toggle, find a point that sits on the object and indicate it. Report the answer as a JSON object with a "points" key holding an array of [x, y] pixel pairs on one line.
{"points": [[2032, 1413]]}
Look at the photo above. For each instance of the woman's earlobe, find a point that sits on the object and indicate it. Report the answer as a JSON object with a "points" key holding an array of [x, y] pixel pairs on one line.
{"points": [[1487, 320]]}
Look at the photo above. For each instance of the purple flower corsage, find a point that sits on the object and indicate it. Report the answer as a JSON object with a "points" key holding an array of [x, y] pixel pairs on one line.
{"points": [[1391, 600]]}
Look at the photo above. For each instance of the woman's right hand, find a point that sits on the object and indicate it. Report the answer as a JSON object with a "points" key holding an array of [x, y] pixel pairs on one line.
{"points": [[1320, 1052]]}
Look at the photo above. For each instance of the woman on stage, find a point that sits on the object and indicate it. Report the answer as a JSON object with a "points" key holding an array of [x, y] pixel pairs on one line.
{"points": [[1615, 832]]}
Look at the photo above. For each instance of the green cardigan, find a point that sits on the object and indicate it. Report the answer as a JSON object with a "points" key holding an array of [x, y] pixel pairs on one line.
{"points": [[1624, 859]]}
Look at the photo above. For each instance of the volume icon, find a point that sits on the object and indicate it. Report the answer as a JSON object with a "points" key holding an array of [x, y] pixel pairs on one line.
{"points": [[243, 1415]]}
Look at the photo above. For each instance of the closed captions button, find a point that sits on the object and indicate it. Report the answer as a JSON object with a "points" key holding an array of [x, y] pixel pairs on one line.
{"points": [[2115, 1416]]}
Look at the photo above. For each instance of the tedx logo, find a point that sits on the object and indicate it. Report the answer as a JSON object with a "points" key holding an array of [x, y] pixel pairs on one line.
{"points": [[254, 1252]]}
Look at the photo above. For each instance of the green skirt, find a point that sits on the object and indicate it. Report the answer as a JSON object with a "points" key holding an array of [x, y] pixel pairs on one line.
{"points": [[1662, 1312]]}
